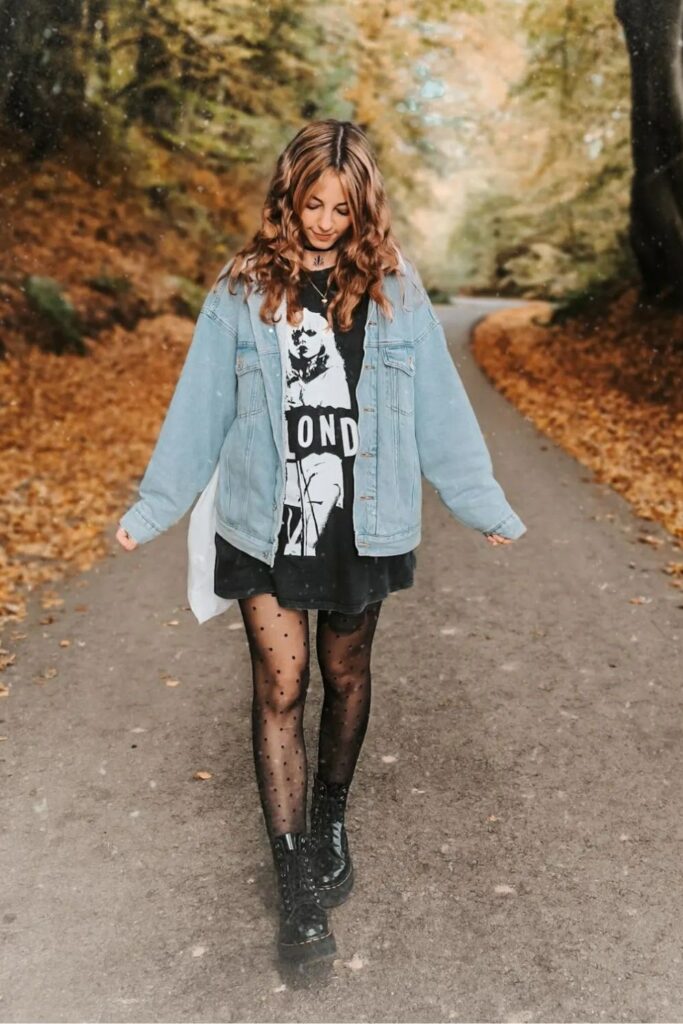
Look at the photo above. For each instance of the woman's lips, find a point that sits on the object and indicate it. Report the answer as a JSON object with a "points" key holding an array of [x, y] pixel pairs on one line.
{"points": [[322, 237]]}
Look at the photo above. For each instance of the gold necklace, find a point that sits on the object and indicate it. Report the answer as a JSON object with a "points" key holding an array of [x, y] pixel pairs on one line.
{"points": [[322, 295]]}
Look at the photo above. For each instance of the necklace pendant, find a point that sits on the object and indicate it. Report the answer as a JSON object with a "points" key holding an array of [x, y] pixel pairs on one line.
{"points": [[324, 302]]}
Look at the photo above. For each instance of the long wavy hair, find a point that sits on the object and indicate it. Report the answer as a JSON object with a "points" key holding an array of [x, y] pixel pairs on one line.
{"points": [[273, 259]]}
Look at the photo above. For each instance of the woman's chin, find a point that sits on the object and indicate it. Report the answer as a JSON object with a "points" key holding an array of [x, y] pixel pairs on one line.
{"points": [[321, 243]]}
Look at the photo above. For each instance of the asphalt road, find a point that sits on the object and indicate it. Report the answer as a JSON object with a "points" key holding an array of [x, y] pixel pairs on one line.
{"points": [[515, 818]]}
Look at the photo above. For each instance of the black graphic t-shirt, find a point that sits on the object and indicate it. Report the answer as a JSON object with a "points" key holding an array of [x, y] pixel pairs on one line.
{"points": [[317, 564]]}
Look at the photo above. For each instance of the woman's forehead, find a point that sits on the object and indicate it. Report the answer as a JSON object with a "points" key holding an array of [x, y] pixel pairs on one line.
{"points": [[327, 186]]}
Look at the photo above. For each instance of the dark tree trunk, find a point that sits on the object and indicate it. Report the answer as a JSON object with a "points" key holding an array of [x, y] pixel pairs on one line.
{"points": [[42, 89], [154, 97], [653, 37]]}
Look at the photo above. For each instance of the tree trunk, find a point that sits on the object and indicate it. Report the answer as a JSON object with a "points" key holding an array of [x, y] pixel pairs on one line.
{"points": [[653, 37], [42, 90]]}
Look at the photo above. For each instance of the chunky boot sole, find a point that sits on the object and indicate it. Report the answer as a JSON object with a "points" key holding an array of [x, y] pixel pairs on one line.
{"points": [[308, 952], [333, 896]]}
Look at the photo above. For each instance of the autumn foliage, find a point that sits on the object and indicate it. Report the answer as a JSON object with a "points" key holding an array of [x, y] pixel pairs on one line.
{"points": [[77, 430], [606, 389]]}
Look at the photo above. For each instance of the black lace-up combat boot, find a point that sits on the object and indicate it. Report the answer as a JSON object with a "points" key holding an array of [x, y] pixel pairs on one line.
{"points": [[331, 860], [304, 931]]}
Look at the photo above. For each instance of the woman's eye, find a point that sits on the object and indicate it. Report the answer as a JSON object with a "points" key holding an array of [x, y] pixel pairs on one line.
{"points": [[342, 213]]}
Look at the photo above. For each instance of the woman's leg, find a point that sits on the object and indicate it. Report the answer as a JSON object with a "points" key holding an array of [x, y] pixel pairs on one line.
{"points": [[278, 644], [344, 647]]}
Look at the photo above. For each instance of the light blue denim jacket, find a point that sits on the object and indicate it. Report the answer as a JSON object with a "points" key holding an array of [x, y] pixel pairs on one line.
{"points": [[414, 419]]}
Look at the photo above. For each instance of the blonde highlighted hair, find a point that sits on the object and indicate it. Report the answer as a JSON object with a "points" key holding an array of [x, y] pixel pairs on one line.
{"points": [[273, 259]]}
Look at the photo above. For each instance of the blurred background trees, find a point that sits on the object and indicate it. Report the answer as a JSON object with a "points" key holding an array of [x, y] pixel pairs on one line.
{"points": [[502, 128]]}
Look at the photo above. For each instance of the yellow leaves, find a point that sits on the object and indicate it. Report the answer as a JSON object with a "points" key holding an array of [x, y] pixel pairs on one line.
{"points": [[674, 568], [6, 658], [605, 392], [78, 431], [64, 487], [4, 690], [649, 538], [59, 501]]}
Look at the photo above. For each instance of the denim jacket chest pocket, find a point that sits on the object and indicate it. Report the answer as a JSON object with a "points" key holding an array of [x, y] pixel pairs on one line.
{"points": [[398, 363], [251, 388]]}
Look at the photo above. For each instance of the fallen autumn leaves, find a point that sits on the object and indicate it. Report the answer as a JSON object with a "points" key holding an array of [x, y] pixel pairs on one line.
{"points": [[609, 392], [77, 433]]}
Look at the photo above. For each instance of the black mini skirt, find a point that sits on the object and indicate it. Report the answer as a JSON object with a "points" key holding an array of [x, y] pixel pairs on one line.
{"points": [[342, 581]]}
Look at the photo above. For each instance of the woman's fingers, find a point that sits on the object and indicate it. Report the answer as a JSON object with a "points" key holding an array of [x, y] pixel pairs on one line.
{"points": [[125, 539], [495, 538]]}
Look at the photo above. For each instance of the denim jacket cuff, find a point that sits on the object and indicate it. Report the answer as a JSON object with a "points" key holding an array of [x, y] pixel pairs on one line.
{"points": [[511, 527], [140, 528]]}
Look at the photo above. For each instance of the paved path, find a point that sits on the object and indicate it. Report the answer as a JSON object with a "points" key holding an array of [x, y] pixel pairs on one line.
{"points": [[516, 815]]}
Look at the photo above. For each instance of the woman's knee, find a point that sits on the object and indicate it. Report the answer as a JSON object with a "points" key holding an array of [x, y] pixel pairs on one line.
{"points": [[344, 681], [284, 689]]}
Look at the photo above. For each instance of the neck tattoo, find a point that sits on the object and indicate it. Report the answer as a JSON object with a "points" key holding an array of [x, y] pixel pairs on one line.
{"points": [[319, 259]]}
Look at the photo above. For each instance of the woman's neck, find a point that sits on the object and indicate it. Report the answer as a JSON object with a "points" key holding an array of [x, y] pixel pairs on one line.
{"points": [[319, 259]]}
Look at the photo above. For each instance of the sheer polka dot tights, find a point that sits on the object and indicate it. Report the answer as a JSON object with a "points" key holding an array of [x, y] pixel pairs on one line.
{"points": [[278, 645]]}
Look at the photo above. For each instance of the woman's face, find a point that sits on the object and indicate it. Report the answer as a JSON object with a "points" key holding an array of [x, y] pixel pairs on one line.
{"points": [[325, 215]]}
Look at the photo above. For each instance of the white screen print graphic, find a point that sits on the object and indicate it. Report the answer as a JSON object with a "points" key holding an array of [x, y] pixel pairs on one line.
{"points": [[320, 432]]}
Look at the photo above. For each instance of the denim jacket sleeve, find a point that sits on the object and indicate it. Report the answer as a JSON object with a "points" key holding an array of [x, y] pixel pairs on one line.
{"points": [[453, 454], [191, 436]]}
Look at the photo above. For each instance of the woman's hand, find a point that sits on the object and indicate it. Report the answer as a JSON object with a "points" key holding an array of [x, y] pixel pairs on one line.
{"points": [[495, 538], [125, 539]]}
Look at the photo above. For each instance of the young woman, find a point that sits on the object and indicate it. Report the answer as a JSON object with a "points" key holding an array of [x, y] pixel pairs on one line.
{"points": [[319, 380]]}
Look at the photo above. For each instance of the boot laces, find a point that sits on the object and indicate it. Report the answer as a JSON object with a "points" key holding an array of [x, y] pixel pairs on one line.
{"points": [[327, 819], [297, 877]]}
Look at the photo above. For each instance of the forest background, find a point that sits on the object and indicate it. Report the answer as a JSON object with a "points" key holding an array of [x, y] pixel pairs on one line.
{"points": [[138, 138]]}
